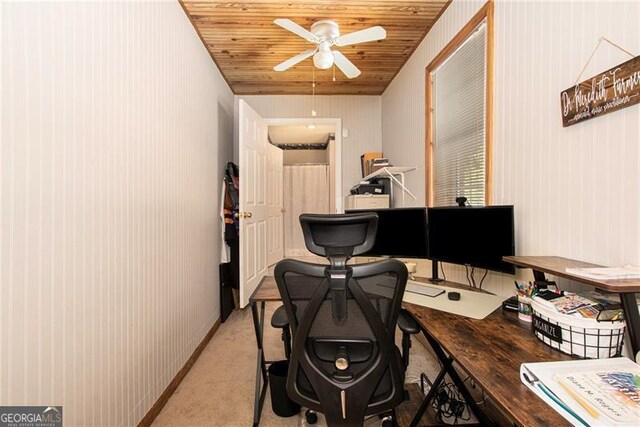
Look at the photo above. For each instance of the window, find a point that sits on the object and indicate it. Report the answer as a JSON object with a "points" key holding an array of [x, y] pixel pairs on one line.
{"points": [[459, 117]]}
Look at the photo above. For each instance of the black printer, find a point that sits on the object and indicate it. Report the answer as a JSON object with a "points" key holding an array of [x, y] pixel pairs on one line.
{"points": [[368, 188]]}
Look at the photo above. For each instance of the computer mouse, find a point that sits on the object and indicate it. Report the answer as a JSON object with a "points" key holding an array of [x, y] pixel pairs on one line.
{"points": [[454, 296]]}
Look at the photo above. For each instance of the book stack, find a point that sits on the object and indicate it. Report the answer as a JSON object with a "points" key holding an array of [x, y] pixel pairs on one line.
{"points": [[379, 163]]}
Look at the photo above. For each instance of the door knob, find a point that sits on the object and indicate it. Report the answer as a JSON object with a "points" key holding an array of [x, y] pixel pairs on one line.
{"points": [[248, 214], [243, 215]]}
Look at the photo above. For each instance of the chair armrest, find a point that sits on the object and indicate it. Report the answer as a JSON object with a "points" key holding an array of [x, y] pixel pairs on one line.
{"points": [[407, 323], [279, 318]]}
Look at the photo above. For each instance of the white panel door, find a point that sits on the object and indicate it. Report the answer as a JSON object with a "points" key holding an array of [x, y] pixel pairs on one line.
{"points": [[254, 151], [275, 205]]}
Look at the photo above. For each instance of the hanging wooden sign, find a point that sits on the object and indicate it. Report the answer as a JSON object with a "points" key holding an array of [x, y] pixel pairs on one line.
{"points": [[612, 90]]}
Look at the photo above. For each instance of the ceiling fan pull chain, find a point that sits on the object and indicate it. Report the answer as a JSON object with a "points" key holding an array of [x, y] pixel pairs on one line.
{"points": [[313, 93]]}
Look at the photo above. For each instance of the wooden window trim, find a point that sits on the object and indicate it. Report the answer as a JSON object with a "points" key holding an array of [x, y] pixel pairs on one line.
{"points": [[485, 13]]}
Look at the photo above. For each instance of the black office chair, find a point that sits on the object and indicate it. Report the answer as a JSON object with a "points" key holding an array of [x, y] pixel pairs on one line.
{"points": [[344, 360]]}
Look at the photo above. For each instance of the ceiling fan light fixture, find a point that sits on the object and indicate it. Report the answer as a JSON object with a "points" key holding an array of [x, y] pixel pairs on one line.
{"points": [[323, 59], [326, 34]]}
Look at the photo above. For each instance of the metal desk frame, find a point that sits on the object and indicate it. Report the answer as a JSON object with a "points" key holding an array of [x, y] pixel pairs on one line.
{"points": [[447, 368], [262, 379]]}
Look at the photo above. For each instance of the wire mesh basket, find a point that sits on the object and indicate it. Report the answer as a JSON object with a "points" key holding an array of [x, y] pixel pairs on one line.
{"points": [[578, 336]]}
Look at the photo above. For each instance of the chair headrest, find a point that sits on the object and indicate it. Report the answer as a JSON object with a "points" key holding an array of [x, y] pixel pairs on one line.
{"points": [[343, 235]]}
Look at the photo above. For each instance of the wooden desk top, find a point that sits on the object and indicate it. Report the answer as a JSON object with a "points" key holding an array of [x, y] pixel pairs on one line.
{"points": [[267, 290], [489, 350], [557, 266]]}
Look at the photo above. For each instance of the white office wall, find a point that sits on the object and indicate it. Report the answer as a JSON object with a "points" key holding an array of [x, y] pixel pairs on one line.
{"points": [[360, 114], [115, 129], [575, 190]]}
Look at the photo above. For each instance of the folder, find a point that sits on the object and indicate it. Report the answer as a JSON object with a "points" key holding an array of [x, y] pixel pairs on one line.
{"points": [[366, 160]]}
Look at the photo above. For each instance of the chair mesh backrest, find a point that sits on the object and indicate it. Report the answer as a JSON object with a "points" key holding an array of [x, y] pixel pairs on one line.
{"points": [[367, 335], [339, 234]]}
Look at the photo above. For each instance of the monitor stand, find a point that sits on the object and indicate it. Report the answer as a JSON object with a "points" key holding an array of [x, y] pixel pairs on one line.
{"points": [[434, 272]]}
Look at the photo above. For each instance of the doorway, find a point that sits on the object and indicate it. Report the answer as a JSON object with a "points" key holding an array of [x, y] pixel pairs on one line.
{"points": [[311, 180]]}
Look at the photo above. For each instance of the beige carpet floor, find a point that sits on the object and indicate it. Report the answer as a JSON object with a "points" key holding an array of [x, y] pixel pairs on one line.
{"points": [[219, 389]]}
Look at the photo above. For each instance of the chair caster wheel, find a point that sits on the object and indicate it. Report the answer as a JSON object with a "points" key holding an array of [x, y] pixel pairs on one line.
{"points": [[387, 422], [311, 417]]}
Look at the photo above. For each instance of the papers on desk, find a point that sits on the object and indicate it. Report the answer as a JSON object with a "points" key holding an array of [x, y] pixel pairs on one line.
{"points": [[596, 392], [607, 273], [567, 304]]}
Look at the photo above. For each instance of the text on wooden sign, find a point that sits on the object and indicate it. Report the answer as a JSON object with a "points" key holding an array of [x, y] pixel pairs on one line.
{"points": [[612, 90]]}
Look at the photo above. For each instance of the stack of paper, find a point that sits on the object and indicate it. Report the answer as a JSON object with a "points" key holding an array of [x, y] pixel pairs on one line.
{"points": [[567, 304], [596, 392], [607, 273]]}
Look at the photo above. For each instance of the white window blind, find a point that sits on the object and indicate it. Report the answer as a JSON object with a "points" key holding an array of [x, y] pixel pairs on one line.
{"points": [[459, 123]]}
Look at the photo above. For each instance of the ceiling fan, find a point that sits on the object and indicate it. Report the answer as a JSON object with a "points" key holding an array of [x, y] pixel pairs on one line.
{"points": [[326, 34]]}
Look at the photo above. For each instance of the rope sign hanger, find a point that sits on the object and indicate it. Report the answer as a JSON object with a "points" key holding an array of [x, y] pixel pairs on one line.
{"points": [[600, 40]]}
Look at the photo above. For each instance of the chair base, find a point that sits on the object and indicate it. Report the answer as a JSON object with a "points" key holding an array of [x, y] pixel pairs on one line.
{"points": [[311, 417]]}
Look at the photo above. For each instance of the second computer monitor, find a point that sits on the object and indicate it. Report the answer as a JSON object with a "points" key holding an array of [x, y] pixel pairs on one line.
{"points": [[402, 232], [474, 236]]}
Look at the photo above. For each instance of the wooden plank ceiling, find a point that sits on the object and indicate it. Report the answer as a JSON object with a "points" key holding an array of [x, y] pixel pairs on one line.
{"points": [[246, 44]]}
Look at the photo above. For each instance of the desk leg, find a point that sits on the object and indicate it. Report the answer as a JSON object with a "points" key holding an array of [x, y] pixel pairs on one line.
{"points": [[447, 368], [428, 398], [261, 368], [632, 319]]}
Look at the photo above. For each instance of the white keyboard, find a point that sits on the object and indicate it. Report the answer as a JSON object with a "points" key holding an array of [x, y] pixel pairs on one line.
{"points": [[423, 289]]}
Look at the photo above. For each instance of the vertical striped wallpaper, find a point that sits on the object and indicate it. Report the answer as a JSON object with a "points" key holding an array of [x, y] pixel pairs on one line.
{"points": [[575, 190], [360, 115], [115, 129]]}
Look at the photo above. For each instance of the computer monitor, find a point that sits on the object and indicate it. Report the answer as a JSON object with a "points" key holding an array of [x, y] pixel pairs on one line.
{"points": [[473, 236], [402, 232]]}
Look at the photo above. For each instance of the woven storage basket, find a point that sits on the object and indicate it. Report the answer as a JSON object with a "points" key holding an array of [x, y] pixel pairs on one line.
{"points": [[578, 336]]}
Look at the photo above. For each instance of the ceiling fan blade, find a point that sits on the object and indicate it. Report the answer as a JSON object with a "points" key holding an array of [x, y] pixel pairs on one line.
{"points": [[362, 36], [293, 61], [346, 66], [288, 24]]}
